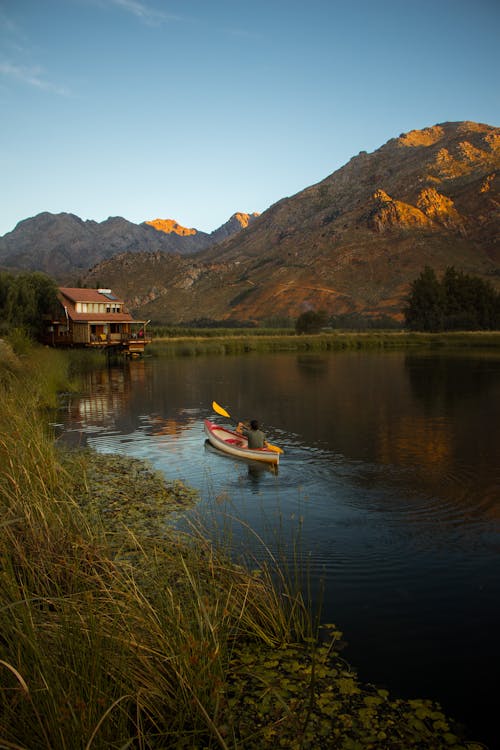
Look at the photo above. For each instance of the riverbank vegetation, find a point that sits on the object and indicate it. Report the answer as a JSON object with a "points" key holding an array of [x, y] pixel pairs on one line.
{"points": [[221, 343], [24, 300], [116, 631], [277, 325], [456, 301]]}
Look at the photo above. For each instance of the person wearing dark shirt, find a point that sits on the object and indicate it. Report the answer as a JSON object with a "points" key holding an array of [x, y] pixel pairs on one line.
{"points": [[254, 435]]}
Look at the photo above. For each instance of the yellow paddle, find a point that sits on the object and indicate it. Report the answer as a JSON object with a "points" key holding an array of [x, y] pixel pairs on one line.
{"points": [[224, 413]]}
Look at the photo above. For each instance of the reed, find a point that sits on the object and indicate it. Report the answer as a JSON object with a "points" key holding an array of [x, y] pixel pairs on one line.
{"points": [[109, 637], [193, 332], [335, 341], [80, 361]]}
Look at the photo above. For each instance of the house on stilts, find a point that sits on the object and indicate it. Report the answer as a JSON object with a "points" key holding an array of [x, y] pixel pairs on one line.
{"points": [[98, 319]]}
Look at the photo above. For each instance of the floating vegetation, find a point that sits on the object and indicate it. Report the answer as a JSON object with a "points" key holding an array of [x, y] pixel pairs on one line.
{"points": [[126, 492], [306, 696]]}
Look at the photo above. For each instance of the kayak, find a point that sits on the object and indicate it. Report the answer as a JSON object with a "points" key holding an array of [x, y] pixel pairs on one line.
{"points": [[237, 445]]}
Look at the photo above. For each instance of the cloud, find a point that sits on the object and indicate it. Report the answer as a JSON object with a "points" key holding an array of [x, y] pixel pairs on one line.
{"points": [[32, 76], [145, 12]]}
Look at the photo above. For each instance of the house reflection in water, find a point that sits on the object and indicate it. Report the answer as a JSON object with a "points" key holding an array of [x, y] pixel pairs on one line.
{"points": [[117, 398]]}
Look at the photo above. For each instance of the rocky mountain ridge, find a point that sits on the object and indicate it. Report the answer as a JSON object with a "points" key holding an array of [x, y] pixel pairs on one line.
{"points": [[236, 223], [65, 246], [352, 243], [170, 225]]}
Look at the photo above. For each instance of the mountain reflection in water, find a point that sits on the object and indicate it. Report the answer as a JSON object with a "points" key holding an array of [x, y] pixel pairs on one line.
{"points": [[390, 474]]}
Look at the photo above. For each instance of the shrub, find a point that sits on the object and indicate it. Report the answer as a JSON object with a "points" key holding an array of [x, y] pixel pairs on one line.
{"points": [[311, 321]]}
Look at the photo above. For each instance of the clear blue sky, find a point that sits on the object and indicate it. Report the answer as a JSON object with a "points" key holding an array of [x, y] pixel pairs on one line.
{"points": [[195, 109]]}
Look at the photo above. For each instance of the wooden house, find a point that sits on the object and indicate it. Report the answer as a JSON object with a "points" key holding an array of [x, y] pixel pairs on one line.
{"points": [[96, 318]]}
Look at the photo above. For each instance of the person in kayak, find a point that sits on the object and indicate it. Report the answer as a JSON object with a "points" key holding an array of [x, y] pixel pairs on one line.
{"points": [[254, 435]]}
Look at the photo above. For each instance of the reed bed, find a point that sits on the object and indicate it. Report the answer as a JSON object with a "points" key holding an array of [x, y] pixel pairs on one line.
{"points": [[159, 331], [111, 638], [116, 634], [337, 341]]}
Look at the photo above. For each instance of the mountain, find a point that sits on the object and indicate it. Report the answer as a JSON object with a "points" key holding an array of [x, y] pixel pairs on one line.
{"points": [[170, 225], [64, 246], [352, 243], [235, 224]]}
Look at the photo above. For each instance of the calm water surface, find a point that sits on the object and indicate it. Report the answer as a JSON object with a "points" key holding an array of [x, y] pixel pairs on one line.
{"points": [[391, 473]]}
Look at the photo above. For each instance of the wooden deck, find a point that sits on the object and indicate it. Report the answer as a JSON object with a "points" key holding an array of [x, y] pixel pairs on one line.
{"points": [[129, 347]]}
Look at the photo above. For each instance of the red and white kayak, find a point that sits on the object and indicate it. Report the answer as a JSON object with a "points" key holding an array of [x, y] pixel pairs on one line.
{"points": [[237, 445]]}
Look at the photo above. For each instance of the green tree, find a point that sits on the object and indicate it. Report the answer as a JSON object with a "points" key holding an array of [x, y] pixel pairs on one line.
{"points": [[425, 305], [457, 302], [311, 321], [26, 300], [5, 283]]}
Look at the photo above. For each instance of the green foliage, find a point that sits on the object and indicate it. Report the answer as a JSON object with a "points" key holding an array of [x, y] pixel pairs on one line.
{"points": [[278, 322], [19, 340], [456, 302], [359, 322], [425, 306], [210, 323], [305, 696], [311, 321], [10, 364], [25, 299], [207, 328], [470, 303], [285, 341]]}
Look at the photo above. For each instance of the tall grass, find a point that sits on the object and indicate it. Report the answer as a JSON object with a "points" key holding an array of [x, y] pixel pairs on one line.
{"points": [[101, 648], [337, 341], [159, 331]]}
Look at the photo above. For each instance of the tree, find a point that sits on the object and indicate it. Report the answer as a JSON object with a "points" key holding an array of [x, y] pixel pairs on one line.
{"points": [[457, 302], [424, 309], [26, 300], [311, 321]]}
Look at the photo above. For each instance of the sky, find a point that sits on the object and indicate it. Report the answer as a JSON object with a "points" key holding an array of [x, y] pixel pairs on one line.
{"points": [[195, 109]]}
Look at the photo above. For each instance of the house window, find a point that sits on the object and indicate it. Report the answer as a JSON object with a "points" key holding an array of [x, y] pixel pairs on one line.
{"points": [[84, 307]]}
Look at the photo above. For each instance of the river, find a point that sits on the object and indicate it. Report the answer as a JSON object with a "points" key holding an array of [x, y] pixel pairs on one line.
{"points": [[389, 488]]}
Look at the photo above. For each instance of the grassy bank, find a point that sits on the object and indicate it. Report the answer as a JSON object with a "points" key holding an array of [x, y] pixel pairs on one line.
{"points": [[117, 632], [169, 332], [192, 345]]}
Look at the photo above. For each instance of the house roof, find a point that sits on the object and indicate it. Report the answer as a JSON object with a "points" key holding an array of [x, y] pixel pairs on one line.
{"points": [[101, 317], [89, 295], [69, 296]]}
